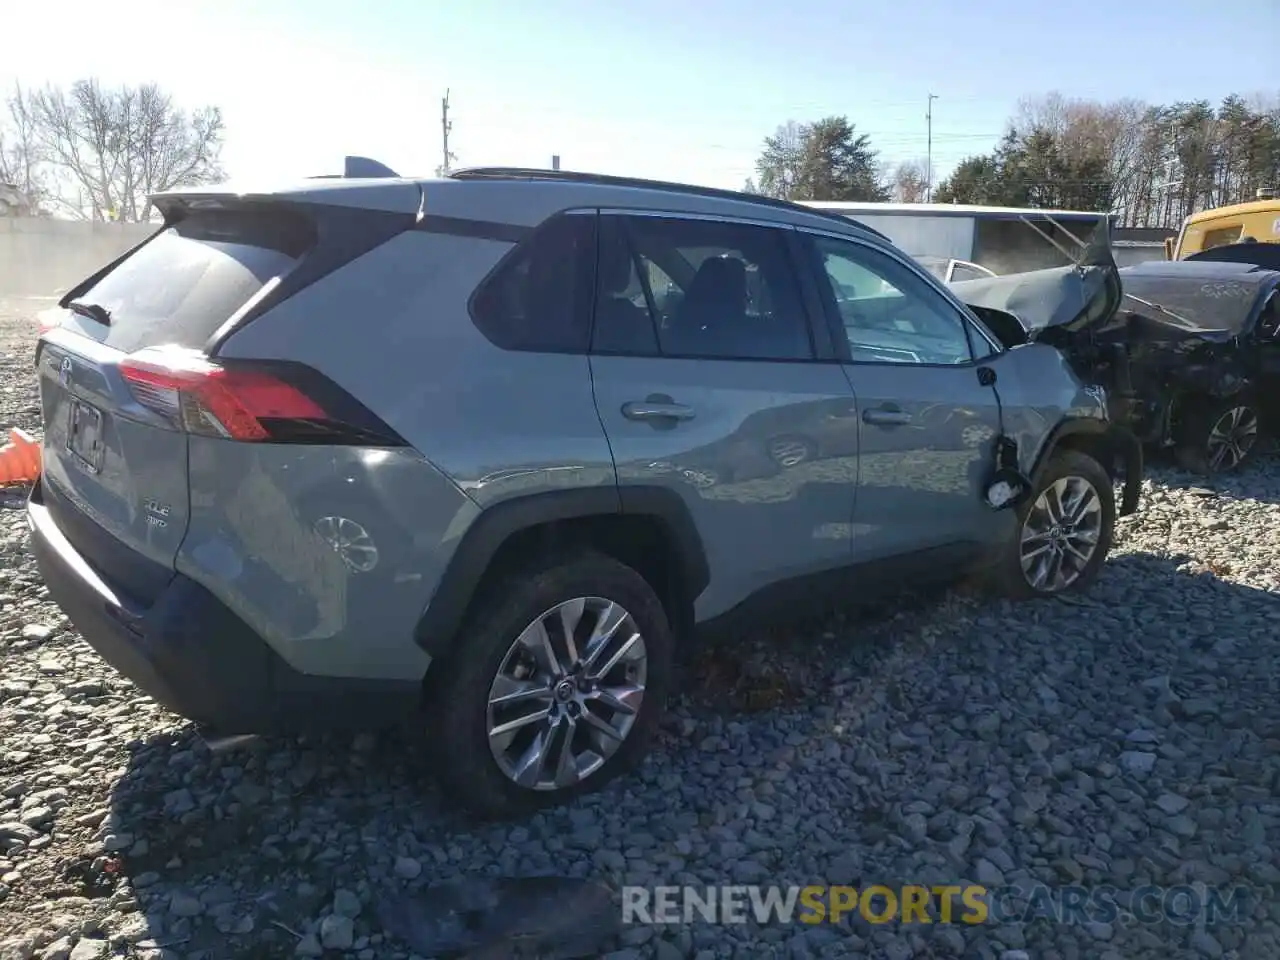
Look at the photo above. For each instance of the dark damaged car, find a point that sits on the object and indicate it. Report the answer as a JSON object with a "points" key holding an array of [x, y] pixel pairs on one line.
{"points": [[1187, 351]]}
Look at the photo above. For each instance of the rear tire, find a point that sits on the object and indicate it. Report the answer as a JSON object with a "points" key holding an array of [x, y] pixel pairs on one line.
{"points": [[494, 774], [1218, 437], [1063, 533]]}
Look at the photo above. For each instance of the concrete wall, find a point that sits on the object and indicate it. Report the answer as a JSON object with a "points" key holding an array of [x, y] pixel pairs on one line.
{"points": [[43, 257]]}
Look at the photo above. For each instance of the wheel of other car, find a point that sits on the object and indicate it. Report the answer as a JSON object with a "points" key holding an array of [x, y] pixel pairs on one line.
{"points": [[1218, 436], [1063, 532], [791, 451], [556, 686]]}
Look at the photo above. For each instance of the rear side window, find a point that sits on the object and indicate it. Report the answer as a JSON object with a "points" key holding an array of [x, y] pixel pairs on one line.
{"points": [[539, 298], [185, 282], [698, 289]]}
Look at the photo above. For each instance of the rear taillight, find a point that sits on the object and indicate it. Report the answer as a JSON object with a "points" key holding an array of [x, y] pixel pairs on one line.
{"points": [[47, 320], [251, 402]]}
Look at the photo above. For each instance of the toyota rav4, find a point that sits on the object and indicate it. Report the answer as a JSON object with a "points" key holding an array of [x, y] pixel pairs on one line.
{"points": [[481, 453]]}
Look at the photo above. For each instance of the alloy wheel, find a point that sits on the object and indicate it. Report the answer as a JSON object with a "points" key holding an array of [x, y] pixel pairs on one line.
{"points": [[1061, 533], [350, 541], [789, 452], [1231, 438], [567, 694]]}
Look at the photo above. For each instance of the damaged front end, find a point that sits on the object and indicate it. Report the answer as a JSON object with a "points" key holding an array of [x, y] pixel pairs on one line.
{"points": [[1074, 310]]}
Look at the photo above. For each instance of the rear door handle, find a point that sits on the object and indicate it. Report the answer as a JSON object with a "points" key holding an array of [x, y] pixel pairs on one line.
{"points": [[887, 416], [648, 410]]}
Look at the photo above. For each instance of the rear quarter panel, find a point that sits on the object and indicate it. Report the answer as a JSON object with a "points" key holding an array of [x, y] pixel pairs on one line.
{"points": [[393, 329], [485, 425], [258, 541]]}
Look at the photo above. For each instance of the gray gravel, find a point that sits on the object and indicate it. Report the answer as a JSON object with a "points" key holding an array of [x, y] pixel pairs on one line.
{"points": [[1126, 738]]}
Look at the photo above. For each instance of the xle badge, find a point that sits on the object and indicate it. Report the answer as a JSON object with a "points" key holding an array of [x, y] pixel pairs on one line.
{"points": [[157, 513]]}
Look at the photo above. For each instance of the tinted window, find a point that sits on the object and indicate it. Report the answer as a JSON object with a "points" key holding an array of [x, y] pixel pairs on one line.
{"points": [[624, 321], [539, 299], [889, 313], [695, 288], [185, 282]]}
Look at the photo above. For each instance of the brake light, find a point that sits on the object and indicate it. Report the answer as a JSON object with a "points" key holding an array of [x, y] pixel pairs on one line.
{"points": [[250, 403], [46, 320]]}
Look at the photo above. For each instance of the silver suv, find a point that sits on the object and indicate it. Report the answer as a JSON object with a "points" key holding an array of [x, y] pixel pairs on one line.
{"points": [[480, 452]]}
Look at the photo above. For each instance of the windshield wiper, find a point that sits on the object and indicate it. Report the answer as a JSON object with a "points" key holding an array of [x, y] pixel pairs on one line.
{"points": [[94, 311]]}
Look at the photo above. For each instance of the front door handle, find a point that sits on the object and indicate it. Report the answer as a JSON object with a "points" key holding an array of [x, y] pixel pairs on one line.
{"points": [[650, 410], [886, 416]]}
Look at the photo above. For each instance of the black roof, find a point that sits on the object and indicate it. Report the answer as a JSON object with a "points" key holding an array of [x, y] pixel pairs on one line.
{"points": [[1263, 254], [602, 179]]}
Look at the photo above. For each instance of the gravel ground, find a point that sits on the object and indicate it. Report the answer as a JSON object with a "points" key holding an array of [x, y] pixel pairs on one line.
{"points": [[1131, 737]]}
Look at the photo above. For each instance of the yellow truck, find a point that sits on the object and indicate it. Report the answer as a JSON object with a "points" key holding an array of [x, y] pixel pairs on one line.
{"points": [[1258, 220]]}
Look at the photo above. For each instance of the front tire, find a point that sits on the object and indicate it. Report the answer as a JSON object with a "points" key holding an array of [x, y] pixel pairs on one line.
{"points": [[1064, 530], [557, 686], [1218, 437]]}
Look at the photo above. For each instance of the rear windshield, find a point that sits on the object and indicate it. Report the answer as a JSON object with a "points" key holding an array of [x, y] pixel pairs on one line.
{"points": [[185, 282]]}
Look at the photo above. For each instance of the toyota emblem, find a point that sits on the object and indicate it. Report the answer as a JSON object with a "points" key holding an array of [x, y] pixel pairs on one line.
{"points": [[64, 371]]}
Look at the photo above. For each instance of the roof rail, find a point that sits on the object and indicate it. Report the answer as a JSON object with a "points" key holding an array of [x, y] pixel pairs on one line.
{"points": [[603, 179]]}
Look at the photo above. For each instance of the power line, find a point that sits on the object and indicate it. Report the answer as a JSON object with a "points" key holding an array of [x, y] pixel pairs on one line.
{"points": [[792, 111], [958, 141]]}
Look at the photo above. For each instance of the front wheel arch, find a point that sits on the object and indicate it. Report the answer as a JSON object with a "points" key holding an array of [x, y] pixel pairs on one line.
{"points": [[1113, 446], [1008, 575]]}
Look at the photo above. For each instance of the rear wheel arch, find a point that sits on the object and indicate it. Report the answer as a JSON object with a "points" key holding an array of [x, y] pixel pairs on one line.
{"points": [[648, 528]]}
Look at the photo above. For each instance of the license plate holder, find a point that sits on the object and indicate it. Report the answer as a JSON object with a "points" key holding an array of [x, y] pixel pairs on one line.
{"points": [[84, 434]]}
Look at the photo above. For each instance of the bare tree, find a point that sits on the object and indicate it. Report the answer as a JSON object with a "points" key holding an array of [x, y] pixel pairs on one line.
{"points": [[910, 181], [109, 148], [20, 163]]}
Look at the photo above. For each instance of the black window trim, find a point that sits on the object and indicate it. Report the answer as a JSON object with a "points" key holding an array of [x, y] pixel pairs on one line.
{"points": [[969, 323], [820, 346]]}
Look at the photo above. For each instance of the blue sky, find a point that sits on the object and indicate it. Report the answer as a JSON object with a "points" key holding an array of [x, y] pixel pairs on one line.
{"points": [[664, 89]]}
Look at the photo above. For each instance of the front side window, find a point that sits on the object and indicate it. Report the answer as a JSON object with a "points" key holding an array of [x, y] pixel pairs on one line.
{"points": [[699, 289], [889, 313]]}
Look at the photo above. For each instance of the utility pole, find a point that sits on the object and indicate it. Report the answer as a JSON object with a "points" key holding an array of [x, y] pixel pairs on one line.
{"points": [[928, 163], [445, 126]]}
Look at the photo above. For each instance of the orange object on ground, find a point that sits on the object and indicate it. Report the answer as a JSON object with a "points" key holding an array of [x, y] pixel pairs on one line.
{"points": [[20, 458]]}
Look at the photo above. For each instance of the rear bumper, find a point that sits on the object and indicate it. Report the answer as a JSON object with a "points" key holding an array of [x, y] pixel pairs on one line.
{"points": [[190, 653]]}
